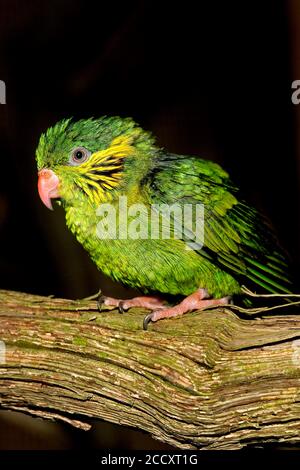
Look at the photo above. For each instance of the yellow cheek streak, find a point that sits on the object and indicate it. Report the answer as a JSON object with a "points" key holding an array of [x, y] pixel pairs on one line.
{"points": [[120, 147], [103, 170]]}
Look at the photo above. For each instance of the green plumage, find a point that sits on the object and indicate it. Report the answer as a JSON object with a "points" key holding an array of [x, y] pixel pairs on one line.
{"points": [[239, 246]]}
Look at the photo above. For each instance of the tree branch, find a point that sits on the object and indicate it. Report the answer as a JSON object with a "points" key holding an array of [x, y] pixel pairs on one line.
{"points": [[207, 380]]}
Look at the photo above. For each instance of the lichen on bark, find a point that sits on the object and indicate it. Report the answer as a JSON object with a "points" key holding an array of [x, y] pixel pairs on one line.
{"points": [[209, 380]]}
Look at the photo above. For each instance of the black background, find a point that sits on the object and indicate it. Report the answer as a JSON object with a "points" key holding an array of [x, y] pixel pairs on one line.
{"points": [[208, 78]]}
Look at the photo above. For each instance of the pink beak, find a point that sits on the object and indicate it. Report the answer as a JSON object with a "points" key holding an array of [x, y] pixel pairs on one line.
{"points": [[48, 184]]}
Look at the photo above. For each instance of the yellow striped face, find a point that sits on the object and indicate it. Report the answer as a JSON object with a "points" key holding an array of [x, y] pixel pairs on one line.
{"points": [[100, 173]]}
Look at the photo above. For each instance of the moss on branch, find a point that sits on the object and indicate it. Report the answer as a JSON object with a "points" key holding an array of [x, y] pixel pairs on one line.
{"points": [[207, 380]]}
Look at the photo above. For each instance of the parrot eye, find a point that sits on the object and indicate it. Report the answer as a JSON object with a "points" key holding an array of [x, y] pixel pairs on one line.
{"points": [[79, 155]]}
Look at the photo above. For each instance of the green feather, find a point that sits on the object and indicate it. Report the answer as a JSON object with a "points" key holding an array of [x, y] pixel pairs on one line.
{"points": [[239, 245]]}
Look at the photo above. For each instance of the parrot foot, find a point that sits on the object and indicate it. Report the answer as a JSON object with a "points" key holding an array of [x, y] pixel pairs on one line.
{"points": [[192, 302], [148, 302]]}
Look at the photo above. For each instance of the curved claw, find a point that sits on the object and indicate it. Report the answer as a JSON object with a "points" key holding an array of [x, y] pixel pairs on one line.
{"points": [[121, 307], [146, 321], [100, 302]]}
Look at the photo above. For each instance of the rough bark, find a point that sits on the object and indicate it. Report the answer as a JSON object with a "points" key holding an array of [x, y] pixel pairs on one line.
{"points": [[207, 380]]}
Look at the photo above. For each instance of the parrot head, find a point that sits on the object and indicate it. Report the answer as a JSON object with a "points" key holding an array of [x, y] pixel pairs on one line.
{"points": [[91, 158]]}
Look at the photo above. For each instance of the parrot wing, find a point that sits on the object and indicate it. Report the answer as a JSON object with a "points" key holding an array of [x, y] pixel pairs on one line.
{"points": [[237, 238]]}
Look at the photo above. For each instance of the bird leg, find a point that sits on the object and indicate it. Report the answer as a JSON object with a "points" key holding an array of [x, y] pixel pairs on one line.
{"points": [[192, 302], [151, 303]]}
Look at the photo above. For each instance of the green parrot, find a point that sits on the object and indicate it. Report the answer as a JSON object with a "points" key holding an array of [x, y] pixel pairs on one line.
{"points": [[96, 163]]}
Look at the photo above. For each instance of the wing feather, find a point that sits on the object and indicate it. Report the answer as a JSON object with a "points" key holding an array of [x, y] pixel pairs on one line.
{"points": [[237, 238]]}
